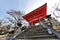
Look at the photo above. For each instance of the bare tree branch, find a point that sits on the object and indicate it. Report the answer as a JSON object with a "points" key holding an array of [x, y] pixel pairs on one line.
{"points": [[16, 15], [56, 9], [12, 15]]}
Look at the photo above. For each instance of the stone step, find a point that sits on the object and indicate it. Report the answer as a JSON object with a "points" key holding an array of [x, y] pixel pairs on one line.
{"points": [[38, 36], [35, 33]]}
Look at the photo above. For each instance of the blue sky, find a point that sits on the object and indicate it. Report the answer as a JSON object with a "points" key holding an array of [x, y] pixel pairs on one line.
{"points": [[6, 5], [25, 6], [22, 5]]}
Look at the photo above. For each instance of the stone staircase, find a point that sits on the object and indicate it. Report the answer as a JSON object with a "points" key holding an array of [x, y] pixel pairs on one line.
{"points": [[36, 32]]}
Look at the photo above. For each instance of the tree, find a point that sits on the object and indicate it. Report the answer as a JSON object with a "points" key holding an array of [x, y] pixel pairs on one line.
{"points": [[0, 24], [17, 17], [56, 11]]}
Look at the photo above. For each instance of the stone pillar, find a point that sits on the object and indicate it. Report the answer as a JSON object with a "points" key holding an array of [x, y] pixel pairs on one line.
{"points": [[31, 24]]}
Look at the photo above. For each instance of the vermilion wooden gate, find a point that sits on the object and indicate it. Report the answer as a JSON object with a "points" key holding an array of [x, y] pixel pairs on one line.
{"points": [[34, 16]]}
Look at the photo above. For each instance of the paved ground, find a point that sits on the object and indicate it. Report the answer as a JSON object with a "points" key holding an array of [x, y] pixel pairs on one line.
{"points": [[36, 32]]}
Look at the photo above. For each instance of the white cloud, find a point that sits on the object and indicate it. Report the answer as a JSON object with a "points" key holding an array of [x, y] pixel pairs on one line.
{"points": [[34, 4]]}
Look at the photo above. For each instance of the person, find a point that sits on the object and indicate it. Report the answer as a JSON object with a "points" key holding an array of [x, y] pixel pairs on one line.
{"points": [[10, 35], [49, 31]]}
